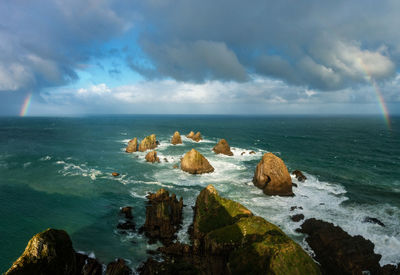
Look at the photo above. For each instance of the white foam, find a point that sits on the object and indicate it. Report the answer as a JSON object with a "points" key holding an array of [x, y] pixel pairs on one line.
{"points": [[27, 164], [45, 158], [71, 169]]}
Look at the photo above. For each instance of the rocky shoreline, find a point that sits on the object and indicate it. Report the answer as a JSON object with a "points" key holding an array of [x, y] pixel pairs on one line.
{"points": [[225, 236]]}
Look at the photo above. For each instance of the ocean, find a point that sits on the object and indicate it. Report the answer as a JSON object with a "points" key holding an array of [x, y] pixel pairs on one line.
{"points": [[56, 172]]}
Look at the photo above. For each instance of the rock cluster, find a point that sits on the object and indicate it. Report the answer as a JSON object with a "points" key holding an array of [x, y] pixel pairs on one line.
{"points": [[196, 137], [176, 138], [223, 147], [195, 163], [152, 157], [132, 146], [163, 216], [299, 175], [148, 143], [272, 176]]}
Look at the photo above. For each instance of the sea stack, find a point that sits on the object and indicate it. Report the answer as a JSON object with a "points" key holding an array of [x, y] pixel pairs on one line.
{"points": [[132, 146], [195, 163], [190, 135], [176, 138], [272, 176], [152, 157], [197, 137], [223, 147], [148, 143]]}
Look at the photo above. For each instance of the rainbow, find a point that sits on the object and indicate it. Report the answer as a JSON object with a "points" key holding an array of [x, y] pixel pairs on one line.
{"points": [[378, 93], [26, 104]]}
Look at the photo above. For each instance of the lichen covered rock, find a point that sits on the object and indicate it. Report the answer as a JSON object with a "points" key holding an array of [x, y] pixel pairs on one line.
{"points": [[148, 143], [163, 216], [152, 157], [223, 147], [195, 163], [176, 138], [272, 176], [132, 146]]}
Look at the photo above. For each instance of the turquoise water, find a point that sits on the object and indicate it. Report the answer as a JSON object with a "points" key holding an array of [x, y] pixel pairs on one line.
{"points": [[56, 172]]}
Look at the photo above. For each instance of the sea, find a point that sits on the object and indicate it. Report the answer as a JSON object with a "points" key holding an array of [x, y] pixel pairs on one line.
{"points": [[56, 172]]}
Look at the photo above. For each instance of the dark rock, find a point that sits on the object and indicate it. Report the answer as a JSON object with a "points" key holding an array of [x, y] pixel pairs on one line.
{"points": [[127, 225], [223, 147], [337, 251], [118, 267], [297, 217], [294, 184], [374, 220], [163, 216], [299, 175], [176, 166], [165, 160], [87, 266], [243, 153], [295, 207], [252, 153], [127, 212]]}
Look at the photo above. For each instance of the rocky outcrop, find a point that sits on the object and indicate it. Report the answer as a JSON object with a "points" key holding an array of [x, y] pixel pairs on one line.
{"points": [[299, 175], [272, 176], [163, 216], [152, 157], [127, 224], [297, 217], [190, 135], [373, 220], [197, 137], [132, 146], [148, 143], [87, 266], [338, 252], [195, 163], [176, 138], [118, 267], [223, 147], [127, 212]]}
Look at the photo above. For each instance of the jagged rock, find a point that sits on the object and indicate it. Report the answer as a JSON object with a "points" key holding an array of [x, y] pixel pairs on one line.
{"points": [[223, 147], [197, 137], [126, 226], [295, 207], [297, 217], [272, 176], [148, 143], [337, 251], [252, 153], [176, 138], [132, 146], [163, 216], [115, 174], [87, 266], [152, 157], [195, 163], [299, 175], [127, 212], [243, 153], [190, 135], [374, 220], [118, 267]]}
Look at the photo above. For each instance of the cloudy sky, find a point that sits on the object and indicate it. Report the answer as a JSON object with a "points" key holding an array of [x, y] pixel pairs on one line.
{"points": [[194, 57]]}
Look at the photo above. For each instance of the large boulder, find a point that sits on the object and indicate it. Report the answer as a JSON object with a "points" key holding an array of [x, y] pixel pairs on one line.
{"points": [[272, 176], [148, 143], [223, 147], [338, 252], [176, 138], [152, 157], [195, 163], [163, 216], [132, 146]]}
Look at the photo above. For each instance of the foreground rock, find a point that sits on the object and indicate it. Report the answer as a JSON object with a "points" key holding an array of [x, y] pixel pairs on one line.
{"points": [[51, 252], [272, 176], [148, 143], [118, 267], [338, 252], [195, 163], [223, 147], [152, 157], [299, 175], [163, 216], [132, 146], [228, 239], [176, 138]]}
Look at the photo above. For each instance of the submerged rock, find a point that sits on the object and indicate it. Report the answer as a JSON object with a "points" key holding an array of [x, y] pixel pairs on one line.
{"points": [[337, 251], [176, 138], [299, 175], [118, 267], [152, 157], [163, 216], [195, 163], [132, 146], [374, 220], [272, 176], [148, 143], [223, 147]]}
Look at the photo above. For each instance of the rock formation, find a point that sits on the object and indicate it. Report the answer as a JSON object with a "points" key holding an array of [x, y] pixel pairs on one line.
{"points": [[127, 212], [223, 147], [299, 175], [115, 174], [132, 146], [118, 267], [152, 157], [87, 266], [197, 137], [252, 153], [338, 252], [297, 217], [190, 135], [176, 138], [148, 143], [163, 216], [272, 176], [127, 224], [374, 220], [195, 163]]}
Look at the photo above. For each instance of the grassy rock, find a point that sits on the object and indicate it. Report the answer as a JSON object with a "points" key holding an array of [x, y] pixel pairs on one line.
{"points": [[148, 143]]}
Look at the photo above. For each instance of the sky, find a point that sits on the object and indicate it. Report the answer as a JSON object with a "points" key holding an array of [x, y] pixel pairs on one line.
{"points": [[82, 57]]}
